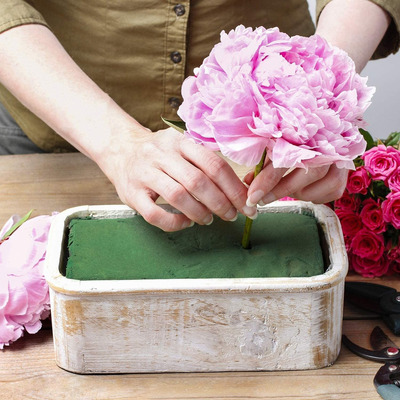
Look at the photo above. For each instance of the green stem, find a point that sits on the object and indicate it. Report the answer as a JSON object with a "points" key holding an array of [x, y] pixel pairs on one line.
{"points": [[16, 226], [249, 221]]}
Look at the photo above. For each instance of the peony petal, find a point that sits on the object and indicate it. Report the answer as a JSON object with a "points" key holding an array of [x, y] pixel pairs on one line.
{"points": [[18, 297], [299, 96], [4, 296], [9, 332], [24, 294], [34, 327]]}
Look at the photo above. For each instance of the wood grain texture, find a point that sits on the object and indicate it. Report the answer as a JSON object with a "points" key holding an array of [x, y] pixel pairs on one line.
{"points": [[28, 369], [51, 182]]}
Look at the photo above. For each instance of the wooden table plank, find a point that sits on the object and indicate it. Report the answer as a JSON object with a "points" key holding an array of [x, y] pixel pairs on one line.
{"points": [[51, 182]]}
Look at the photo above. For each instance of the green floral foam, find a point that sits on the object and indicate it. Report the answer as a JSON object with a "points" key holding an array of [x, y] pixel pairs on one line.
{"points": [[282, 245]]}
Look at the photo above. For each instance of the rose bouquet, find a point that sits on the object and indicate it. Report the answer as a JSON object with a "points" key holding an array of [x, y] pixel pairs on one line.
{"points": [[369, 210], [296, 98], [24, 294]]}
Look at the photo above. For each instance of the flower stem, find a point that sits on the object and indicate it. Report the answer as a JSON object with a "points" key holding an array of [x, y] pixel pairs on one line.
{"points": [[16, 226], [249, 221]]}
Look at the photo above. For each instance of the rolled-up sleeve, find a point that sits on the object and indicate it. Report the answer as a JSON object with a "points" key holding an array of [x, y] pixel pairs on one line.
{"points": [[17, 12], [391, 41]]}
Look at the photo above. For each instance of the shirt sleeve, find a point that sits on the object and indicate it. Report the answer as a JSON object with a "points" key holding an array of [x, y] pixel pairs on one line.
{"points": [[18, 12], [391, 41]]}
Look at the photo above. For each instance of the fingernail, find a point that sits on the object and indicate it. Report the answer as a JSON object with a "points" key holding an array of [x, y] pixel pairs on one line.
{"points": [[231, 215], [255, 198], [209, 220], [269, 198], [253, 217], [250, 212], [188, 224]]}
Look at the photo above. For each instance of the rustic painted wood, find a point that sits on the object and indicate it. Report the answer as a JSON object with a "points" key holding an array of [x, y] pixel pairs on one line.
{"points": [[28, 369], [192, 325]]}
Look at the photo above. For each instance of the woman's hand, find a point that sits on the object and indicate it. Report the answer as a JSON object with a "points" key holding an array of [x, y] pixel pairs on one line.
{"points": [[319, 184], [142, 165], [193, 179]]}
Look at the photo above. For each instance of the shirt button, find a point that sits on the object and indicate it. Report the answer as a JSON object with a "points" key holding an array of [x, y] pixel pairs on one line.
{"points": [[176, 57], [179, 10], [174, 102]]}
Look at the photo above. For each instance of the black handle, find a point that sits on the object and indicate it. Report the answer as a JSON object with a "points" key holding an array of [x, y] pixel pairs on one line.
{"points": [[393, 322], [369, 295]]}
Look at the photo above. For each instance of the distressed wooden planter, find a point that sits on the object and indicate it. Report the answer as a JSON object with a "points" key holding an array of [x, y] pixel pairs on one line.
{"points": [[192, 325]]}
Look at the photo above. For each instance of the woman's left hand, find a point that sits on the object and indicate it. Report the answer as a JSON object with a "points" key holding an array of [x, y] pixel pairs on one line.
{"points": [[318, 184]]}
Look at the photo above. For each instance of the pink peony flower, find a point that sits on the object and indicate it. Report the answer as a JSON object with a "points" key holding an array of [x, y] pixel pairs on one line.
{"points": [[381, 162], [358, 181], [391, 209], [369, 268], [350, 221], [372, 216], [368, 244], [24, 294], [298, 97]]}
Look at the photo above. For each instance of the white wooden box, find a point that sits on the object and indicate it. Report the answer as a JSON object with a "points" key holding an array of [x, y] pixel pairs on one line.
{"points": [[187, 325]]}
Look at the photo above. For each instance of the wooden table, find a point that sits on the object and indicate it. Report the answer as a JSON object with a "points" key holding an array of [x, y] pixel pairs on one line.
{"points": [[54, 182]]}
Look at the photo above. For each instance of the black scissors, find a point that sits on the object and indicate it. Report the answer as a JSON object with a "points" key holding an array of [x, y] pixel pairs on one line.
{"points": [[379, 299], [387, 379]]}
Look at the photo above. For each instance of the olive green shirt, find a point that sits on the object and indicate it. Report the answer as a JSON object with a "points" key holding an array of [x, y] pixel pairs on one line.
{"points": [[139, 52]]}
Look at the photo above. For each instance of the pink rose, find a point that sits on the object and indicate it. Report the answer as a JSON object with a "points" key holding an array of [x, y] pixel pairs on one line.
{"points": [[350, 221], [368, 244], [381, 161], [24, 294], [287, 198], [297, 96], [347, 243], [369, 268], [395, 267], [394, 180], [391, 209], [372, 216], [393, 251], [358, 181], [394, 256], [348, 201]]}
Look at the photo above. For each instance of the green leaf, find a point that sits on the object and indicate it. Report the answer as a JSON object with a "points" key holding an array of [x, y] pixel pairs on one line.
{"points": [[368, 138], [393, 139], [379, 189], [16, 225], [358, 162], [178, 125]]}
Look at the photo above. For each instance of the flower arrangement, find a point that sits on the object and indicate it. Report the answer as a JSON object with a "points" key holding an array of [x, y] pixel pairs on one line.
{"points": [[369, 210], [296, 98], [24, 293]]}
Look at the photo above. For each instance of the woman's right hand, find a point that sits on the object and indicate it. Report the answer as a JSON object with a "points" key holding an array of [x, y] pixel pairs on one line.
{"points": [[196, 181]]}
